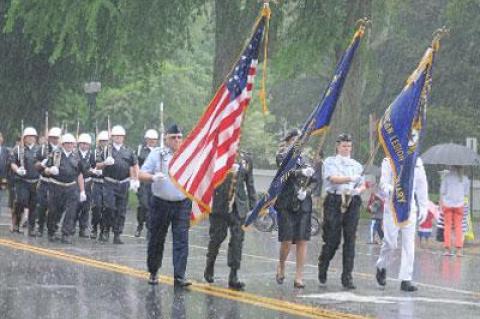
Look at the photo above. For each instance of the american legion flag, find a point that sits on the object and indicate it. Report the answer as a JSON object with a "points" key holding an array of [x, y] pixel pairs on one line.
{"points": [[399, 132], [209, 151], [317, 122]]}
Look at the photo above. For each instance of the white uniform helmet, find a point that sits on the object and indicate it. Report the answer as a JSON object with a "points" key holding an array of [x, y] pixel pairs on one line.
{"points": [[85, 138], [117, 130], [151, 134], [68, 138], [29, 131], [55, 132], [103, 136]]}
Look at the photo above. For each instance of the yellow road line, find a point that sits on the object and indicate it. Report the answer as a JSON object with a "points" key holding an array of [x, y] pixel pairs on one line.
{"points": [[289, 307]]}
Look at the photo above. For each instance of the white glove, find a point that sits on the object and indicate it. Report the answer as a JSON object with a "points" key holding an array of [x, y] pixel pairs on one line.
{"points": [[387, 189], [44, 162], [134, 185], [21, 171], [83, 197], [302, 194], [53, 170], [158, 177], [422, 216], [109, 161], [308, 171], [235, 167], [356, 179], [355, 192], [96, 172]]}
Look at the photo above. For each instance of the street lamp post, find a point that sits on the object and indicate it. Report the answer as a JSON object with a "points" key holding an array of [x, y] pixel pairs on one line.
{"points": [[91, 89]]}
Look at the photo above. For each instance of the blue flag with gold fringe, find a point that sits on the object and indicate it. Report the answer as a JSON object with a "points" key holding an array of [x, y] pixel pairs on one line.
{"points": [[317, 122], [399, 132]]}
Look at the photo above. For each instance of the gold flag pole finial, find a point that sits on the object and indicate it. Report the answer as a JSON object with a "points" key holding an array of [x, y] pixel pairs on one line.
{"points": [[361, 25], [438, 35]]}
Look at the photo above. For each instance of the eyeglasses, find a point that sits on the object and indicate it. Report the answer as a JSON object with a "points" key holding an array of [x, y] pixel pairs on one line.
{"points": [[178, 137], [344, 137]]}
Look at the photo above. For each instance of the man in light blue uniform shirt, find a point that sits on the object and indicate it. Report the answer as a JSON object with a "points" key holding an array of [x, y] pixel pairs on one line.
{"points": [[168, 206]]}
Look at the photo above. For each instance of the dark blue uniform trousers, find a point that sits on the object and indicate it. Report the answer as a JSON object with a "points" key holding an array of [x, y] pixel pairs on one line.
{"points": [[162, 214]]}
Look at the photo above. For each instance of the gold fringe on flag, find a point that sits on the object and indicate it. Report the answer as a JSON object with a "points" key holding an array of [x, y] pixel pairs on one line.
{"points": [[266, 12]]}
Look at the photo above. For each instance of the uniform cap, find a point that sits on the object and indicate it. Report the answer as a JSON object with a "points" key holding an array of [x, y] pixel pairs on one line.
{"points": [[292, 133], [85, 138], [151, 134], [344, 137], [55, 132], [103, 136], [29, 131], [68, 138], [117, 130], [174, 129]]}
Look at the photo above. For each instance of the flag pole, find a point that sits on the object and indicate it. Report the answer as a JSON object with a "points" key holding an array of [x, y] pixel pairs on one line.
{"points": [[360, 31]]}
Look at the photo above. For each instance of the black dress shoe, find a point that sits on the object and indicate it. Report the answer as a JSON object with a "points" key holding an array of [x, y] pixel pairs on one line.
{"points": [[233, 281], [66, 239], [406, 285], [236, 285], [153, 280], [138, 232], [280, 279], [31, 232], [348, 284], [117, 240], [82, 234], [208, 275], [103, 237], [53, 238], [93, 234], [322, 275], [181, 282], [298, 285], [381, 276]]}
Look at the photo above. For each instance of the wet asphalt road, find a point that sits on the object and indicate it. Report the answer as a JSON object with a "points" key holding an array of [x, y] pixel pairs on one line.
{"points": [[36, 281]]}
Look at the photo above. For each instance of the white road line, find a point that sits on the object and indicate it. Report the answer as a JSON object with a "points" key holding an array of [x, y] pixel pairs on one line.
{"points": [[351, 297]]}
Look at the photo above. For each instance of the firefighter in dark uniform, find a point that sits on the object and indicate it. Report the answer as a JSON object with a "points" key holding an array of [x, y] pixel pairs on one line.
{"points": [[26, 179], [4, 161], [98, 220], [120, 171], [145, 191], [54, 135], [88, 163], [11, 179], [343, 183], [66, 188], [231, 202]]}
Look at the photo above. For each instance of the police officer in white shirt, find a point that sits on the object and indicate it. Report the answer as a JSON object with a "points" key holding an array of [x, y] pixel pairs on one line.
{"points": [[168, 206], [343, 184]]}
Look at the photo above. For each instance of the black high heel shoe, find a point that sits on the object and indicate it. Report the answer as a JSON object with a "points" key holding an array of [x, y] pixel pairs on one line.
{"points": [[298, 285], [279, 279]]}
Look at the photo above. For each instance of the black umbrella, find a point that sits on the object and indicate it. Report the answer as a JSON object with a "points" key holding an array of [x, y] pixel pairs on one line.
{"points": [[450, 154]]}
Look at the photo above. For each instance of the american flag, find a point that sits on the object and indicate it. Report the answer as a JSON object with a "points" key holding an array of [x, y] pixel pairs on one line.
{"points": [[209, 151]]}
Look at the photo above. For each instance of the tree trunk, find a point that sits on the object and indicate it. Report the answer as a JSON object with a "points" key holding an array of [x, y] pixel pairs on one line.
{"points": [[233, 24]]}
